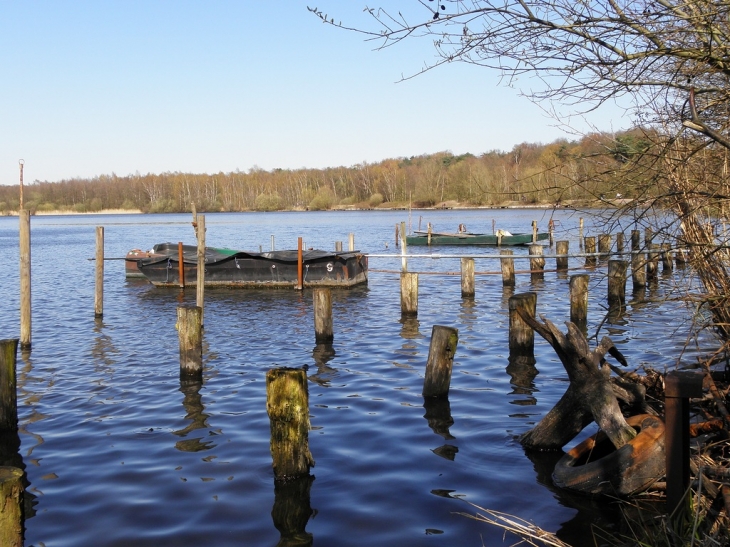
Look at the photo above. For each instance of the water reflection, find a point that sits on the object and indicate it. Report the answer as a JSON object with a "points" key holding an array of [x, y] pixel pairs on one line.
{"points": [[410, 326], [292, 510], [102, 349], [438, 415], [323, 354], [522, 371], [195, 412]]}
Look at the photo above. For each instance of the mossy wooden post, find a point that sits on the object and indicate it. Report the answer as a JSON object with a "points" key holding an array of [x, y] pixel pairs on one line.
{"points": [[190, 334], [590, 247], [604, 245], [200, 287], [287, 404], [638, 271], [561, 249], [667, 264], [180, 265], [11, 506], [323, 330], [25, 312], [652, 261], [537, 262], [508, 268], [99, 288], [467, 277], [409, 294], [521, 335], [8, 386], [579, 298], [351, 242], [617, 283], [440, 361], [300, 264]]}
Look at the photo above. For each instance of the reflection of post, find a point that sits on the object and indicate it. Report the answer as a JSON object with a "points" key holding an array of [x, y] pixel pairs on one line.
{"points": [[8, 386], [440, 361], [323, 354], [438, 415], [11, 507], [323, 329], [522, 371], [292, 510], [287, 403], [410, 327], [195, 412]]}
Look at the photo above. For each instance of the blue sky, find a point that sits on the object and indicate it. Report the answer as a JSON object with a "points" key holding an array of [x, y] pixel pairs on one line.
{"points": [[95, 87]]}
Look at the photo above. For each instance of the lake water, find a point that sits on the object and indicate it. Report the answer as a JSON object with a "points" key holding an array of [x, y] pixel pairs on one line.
{"points": [[118, 452]]}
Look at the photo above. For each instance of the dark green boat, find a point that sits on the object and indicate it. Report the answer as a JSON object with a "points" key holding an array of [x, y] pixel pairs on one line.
{"points": [[469, 238]]}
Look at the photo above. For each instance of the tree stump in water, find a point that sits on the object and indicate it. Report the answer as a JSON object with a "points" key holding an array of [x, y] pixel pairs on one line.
{"points": [[590, 395]]}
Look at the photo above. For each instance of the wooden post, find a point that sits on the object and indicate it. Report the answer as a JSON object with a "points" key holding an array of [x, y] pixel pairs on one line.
{"points": [[537, 262], [521, 335], [667, 263], [25, 313], [181, 265], [351, 241], [189, 330], [300, 265], [580, 232], [200, 287], [534, 231], [99, 292], [648, 237], [680, 255], [467, 277], [590, 248], [440, 361], [287, 404], [397, 236], [404, 250], [8, 386], [604, 245], [338, 246], [323, 330], [680, 386], [11, 506], [638, 272], [652, 261], [273, 243], [494, 226], [561, 249], [620, 242], [551, 232], [579, 298], [508, 268], [428, 237], [409, 293], [617, 283]]}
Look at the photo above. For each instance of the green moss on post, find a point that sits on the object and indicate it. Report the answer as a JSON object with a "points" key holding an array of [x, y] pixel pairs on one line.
{"points": [[11, 507], [287, 403], [8, 388]]}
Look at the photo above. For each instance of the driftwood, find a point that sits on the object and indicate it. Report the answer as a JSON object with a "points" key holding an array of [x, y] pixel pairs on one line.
{"points": [[590, 395]]}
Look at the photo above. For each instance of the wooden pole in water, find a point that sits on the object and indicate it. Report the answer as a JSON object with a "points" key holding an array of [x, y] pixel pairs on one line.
{"points": [[25, 311], [534, 231], [287, 404], [620, 242], [440, 361], [397, 236], [508, 268], [181, 265], [667, 263], [590, 247], [300, 265], [351, 241], [404, 250], [638, 271], [8, 386], [579, 298], [200, 287], [99, 288], [617, 283], [537, 262], [652, 261], [580, 232], [190, 334], [11, 506], [561, 248], [467, 277], [604, 245], [338, 246], [323, 329], [409, 293], [429, 234], [521, 335]]}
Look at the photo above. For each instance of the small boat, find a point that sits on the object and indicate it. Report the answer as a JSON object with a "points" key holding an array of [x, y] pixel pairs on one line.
{"points": [[501, 237], [232, 268]]}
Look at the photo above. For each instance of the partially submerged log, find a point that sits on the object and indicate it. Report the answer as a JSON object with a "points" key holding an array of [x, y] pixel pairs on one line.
{"points": [[590, 395]]}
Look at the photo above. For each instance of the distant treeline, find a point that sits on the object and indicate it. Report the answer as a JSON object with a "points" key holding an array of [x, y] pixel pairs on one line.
{"points": [[530, 173]]}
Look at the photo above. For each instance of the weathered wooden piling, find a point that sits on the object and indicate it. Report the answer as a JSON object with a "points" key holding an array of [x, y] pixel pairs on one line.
{"points": [[99, 280], [534, 231], [397, 236], [200, 287], [537, 262], [351, 242], [590, 247], [648, 237], [409, 293], [652, 261], [8, 386], [11, 506], [579, 298], [617, 283], [180, 265], [300, 264], [638, 270], [287, 404], [604, 246], [521, 335], [467, 277], [338, 246], [273, 243], [323, 329], [561, 249], [667, 263], [440, 361], [580, 232], [508, 268], [190, 334], [620, 242], [25, 312]]}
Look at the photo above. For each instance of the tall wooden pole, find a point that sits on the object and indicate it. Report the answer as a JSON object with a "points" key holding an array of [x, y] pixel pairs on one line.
{"points": [[25, 313], [181, 265], [21, 163], [300, 264], [404, 251], [99, 293], [200, 292]]}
